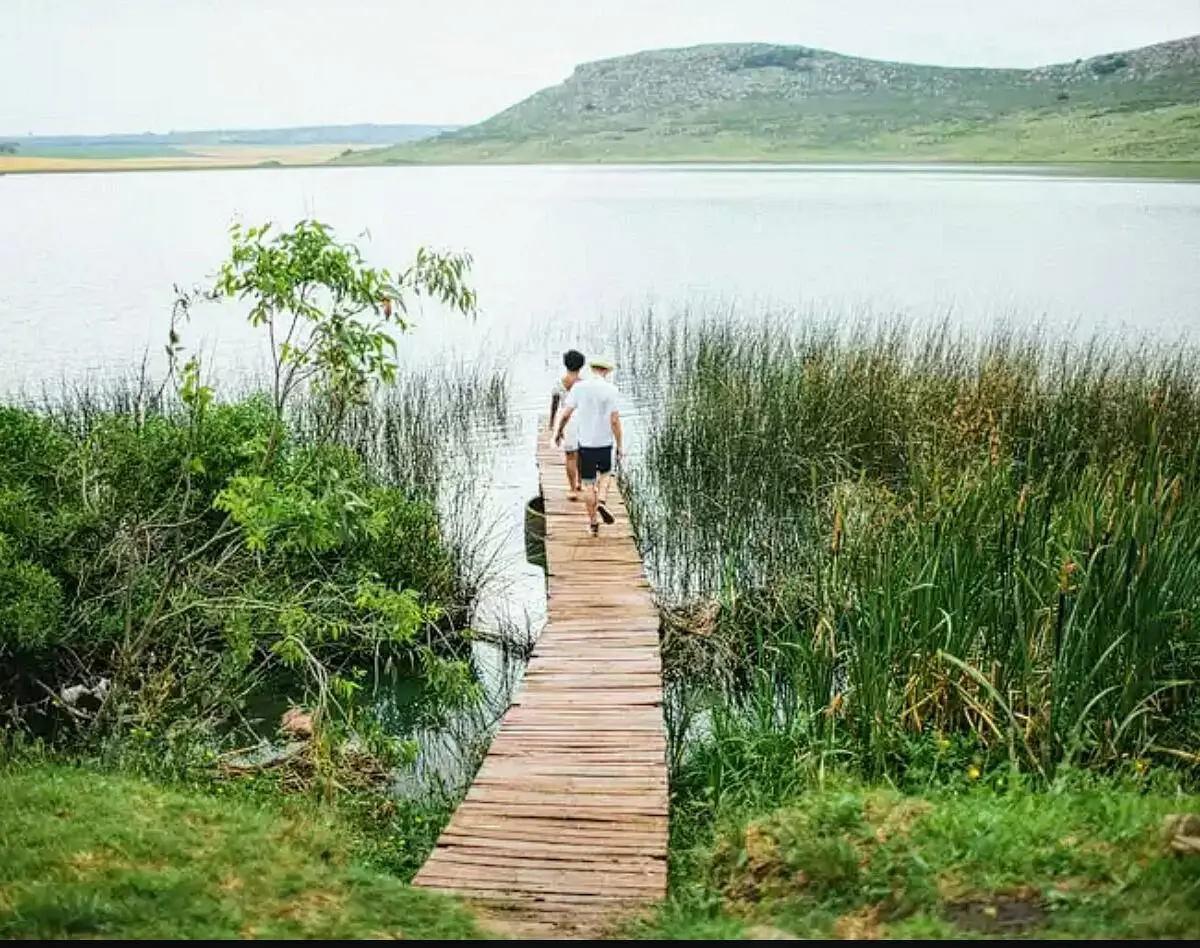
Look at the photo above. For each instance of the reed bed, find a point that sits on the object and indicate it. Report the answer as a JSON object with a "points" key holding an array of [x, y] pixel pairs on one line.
{"points": [[879, 543]]}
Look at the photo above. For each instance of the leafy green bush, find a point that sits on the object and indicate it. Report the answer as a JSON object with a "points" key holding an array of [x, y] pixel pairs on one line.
{"points": [[31, 603], [185, 547]]}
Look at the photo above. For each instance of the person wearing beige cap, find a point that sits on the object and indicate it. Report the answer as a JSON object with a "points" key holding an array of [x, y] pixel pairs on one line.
{"points": [[594, 402]]}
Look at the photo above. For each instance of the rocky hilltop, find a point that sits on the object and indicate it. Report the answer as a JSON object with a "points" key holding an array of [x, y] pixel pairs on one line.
{"points": [[745, 101]]}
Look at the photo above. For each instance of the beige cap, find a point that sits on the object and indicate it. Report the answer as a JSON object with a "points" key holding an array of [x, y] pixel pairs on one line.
{"points": [[600, 362]]}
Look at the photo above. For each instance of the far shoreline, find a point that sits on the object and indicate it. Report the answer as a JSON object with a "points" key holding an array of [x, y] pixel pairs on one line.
{"points": [[1181, 171]]}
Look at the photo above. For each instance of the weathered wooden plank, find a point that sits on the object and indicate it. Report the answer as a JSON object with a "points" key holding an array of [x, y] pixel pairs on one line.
{"points": [[607, 833], [500, 767], [552, 851], [516, 841], [619, 868], [550, 880]]}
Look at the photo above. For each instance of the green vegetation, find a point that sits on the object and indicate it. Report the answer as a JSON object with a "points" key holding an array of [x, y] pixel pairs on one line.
{"points": [[930, 623], [171, 552], [178, 563], [90, 856], [1088, 860], [773, 103], [872, 541], [901, 558]]}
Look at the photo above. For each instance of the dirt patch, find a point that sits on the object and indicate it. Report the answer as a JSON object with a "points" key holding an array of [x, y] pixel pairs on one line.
{"points": [[862, 925], [1183, 833], [998, 915], [769, 933], [894, 818], [754, 870], [513, 923], [310, 908], [87, 861]]}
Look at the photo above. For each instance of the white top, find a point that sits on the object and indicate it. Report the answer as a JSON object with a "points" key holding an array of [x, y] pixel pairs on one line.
{"points": [[594, 400], [571, 432]]}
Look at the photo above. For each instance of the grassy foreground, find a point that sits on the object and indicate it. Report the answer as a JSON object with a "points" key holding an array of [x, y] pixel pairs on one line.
{"points": [[92, 855], [843, 861], [87, 855]]}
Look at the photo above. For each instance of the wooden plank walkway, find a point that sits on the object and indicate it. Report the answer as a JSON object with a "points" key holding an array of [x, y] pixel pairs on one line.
{"points": [[564, 830]]}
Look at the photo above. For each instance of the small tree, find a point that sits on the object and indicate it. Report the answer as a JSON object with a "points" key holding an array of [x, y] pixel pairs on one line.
{"points": [[330, 318], [332, 322]]}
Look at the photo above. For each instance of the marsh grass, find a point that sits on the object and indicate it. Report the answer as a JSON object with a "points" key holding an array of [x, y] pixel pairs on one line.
{"points": [[873, 539], [433, 434]]}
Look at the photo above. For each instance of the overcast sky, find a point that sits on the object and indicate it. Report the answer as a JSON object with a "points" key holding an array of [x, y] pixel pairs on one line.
{"points": [[95, 66]]}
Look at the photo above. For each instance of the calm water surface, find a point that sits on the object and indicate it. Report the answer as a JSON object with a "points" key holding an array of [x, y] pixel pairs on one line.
{"points": [[87, 262]]}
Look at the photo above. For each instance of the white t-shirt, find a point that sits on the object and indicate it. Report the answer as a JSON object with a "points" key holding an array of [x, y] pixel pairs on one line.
{"points": [[571, 432], [594, 400]]}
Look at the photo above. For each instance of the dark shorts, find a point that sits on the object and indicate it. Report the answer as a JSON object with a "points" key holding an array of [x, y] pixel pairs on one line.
{"points": [[593, 461]]}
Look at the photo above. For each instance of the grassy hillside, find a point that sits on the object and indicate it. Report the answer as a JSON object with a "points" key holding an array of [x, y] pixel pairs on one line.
{"points": [[747, 102]]}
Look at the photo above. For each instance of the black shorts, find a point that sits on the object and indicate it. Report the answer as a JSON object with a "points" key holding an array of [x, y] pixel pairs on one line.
{"points": [[593, 461]]}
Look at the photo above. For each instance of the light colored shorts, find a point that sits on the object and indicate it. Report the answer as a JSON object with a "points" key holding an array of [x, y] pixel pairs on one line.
{"points": [[570, 441]]}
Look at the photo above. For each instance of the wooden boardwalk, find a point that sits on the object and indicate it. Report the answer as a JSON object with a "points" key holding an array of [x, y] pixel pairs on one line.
{"points": [[564, 830]]}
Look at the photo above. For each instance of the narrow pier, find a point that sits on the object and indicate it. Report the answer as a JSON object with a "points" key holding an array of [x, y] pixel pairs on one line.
{"points": [[564, 830]]}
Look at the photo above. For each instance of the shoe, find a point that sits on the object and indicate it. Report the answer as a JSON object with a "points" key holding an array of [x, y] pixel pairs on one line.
{"points": [[594, 529], [605, 514]]}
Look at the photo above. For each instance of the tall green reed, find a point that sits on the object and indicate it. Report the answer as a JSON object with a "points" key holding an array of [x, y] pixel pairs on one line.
{"points": [[874, 533]]}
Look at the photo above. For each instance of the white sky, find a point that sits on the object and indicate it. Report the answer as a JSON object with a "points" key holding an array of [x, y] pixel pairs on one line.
{"points": [[96, 66]]}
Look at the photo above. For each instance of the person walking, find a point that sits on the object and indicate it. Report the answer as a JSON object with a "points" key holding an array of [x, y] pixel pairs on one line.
{"points": [[573, 362], [594, 402]]}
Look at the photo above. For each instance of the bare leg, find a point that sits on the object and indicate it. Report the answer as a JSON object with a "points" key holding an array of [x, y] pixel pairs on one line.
{"points": [[572, 464], [590, 499]]}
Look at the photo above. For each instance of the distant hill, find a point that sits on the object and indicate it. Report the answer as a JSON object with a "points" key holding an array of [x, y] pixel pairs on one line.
{"points": [[764, 102], [306, 135]]}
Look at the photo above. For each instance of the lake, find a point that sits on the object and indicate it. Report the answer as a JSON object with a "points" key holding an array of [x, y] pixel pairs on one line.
{"points": [[89, 262]]}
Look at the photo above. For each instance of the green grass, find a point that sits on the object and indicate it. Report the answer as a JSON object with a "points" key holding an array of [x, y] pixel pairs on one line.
{"points": [[90, 855], [1167, 139], [845, 861]]}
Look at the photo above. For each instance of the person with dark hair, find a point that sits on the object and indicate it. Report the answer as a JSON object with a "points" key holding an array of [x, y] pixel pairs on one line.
{"points": [[573, 361], [592, 404]]}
